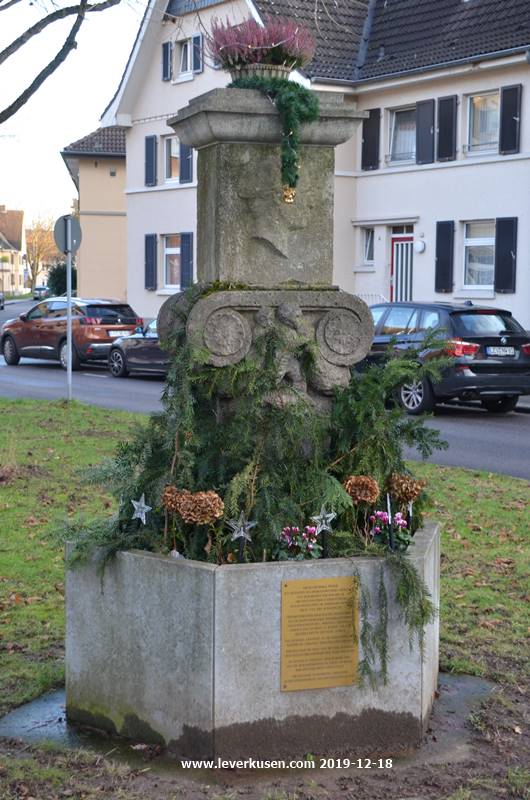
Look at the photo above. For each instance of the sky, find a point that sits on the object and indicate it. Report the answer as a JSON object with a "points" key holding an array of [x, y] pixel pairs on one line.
{"points": [[68, 106]]}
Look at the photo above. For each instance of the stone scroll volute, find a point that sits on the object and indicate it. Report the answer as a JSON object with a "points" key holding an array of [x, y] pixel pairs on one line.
{"points": [[339, 326]]}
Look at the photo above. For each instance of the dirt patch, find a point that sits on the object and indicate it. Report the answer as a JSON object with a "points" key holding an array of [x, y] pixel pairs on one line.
{"points": [[11, 474]]}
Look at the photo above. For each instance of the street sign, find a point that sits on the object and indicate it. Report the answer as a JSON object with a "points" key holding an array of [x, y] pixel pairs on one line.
{"points": [[67, 234], [60, 233]]}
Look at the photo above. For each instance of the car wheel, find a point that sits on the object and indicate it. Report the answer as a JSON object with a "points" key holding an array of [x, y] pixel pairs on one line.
{"points": [[63, 356], [10, 352], [500, 405], [417, 397], [117, 364]]}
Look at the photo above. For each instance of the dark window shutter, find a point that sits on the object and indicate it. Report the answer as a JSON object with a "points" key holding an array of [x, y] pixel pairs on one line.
{"points": [[505, 254], [186, 260], [371, 134], [425, 132], [510, 127], [150, 261], [167, 52], [197, 53], [150, 160], [186, 164], [447, 107], [443, 278]]}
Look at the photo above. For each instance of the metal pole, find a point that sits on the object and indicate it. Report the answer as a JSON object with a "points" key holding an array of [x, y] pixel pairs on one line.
{"points": [[68, 223]]}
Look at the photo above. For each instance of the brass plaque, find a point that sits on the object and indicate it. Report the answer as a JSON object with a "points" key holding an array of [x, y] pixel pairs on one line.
{"points": [[320, 623]]}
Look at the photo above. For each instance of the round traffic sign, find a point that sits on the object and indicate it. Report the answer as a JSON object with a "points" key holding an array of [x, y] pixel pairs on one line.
{"points": [[60, 233]]}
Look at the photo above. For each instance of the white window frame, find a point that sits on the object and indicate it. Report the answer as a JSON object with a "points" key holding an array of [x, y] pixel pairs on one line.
{"points": [[167, 178], [484, 241], [392, 119], [179, 75], [367, 233], [170, 251], [470, 153]]}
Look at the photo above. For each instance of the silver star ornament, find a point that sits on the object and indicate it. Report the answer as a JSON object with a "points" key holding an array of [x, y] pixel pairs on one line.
{"points": [[140, 508], [323, 520], [241, 528]]}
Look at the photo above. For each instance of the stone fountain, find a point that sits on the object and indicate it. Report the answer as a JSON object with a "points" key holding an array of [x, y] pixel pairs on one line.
{"points": [[255, 660]]}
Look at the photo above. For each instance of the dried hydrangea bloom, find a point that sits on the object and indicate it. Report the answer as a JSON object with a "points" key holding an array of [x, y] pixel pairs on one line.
{"points": [[362, 489], [198, 508], [405, 488]]}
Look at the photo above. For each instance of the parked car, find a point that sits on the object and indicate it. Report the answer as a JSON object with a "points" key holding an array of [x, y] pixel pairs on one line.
{"points": [[491, 352], [41, 332], [139, 352], [40, 292], [2, 301]]}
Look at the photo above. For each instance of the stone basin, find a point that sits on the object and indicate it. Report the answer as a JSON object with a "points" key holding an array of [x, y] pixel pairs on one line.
{"points": [[187, 654]]}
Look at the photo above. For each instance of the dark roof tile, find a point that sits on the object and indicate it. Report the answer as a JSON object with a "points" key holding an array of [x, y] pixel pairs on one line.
{"points": [[108, 141], [421, 34], [337, 26]]}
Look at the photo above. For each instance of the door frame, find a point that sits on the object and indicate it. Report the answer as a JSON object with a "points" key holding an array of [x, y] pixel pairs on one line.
{"points": [[394, 239]]}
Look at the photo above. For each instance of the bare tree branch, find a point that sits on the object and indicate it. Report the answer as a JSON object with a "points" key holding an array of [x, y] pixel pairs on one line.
{"points": [[69, 45], [3, 6], [39, 26]]}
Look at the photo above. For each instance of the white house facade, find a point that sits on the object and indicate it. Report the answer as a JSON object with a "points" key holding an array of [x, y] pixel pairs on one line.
{"points": [[431, 196]]}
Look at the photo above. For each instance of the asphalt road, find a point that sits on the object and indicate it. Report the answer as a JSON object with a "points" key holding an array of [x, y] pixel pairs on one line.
{"points": [[477, 440]]}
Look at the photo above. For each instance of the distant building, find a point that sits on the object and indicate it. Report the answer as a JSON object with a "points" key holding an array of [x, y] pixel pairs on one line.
{"points": [[12, 251], [96, 164]]}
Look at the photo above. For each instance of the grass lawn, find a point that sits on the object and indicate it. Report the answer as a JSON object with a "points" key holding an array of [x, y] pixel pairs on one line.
{"points": [[485, 613], [42, 447]]}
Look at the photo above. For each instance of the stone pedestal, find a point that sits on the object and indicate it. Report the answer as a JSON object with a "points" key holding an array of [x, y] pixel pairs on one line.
{"points": [[247, 233], [187, 654]]}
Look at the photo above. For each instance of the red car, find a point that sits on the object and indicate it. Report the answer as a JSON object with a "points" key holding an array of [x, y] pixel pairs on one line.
{"points": [[41, 332]]}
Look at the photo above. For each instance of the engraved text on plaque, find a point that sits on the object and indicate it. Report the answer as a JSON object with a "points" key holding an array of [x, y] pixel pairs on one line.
{"points": [[319, 647]]}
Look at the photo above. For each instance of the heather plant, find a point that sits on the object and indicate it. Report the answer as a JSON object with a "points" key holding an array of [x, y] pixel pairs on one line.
{"points": [[278, 41]]}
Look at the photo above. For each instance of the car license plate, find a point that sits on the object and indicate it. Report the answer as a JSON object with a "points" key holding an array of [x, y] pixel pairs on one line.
{"points": [[115, 334], [500, 351]]}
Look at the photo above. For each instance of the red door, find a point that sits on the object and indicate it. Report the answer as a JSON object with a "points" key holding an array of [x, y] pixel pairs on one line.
{"points": [[401, 269]]}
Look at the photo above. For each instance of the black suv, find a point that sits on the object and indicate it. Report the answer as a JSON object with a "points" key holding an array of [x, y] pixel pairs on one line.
{"points": [[491, 352]]}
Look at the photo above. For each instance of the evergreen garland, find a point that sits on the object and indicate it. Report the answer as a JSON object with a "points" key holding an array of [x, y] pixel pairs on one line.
{"points": [[278, 463], [295, 105]]}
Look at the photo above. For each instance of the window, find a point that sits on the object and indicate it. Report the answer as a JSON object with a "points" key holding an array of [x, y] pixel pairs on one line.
{"points": [[479, 254], [57, 309], [172, 260], [184, 56], [403, 135], [377, 313], [38, 312], [368, 248], [112, 314], [430, 321], [484, 123], [402, 230], [172, 159], [189, 56], [485, 323], [399, 320]]}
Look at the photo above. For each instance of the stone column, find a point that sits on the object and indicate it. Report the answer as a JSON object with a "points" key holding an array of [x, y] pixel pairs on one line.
{"points": [[276, 257], [247, 233]]}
